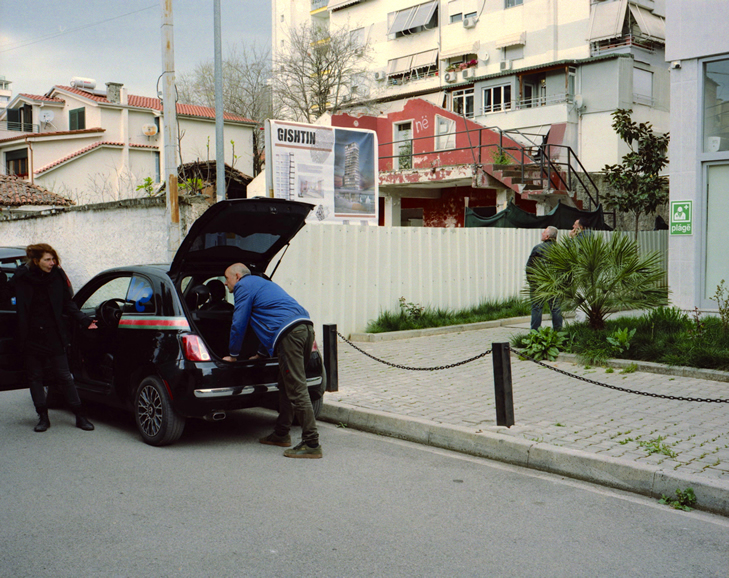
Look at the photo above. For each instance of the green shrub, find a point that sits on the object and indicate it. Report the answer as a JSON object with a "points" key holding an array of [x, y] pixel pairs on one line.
{"points": [[544, 343]]}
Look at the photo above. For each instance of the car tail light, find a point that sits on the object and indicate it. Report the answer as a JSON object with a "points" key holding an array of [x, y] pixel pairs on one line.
{"points": [[194, 348]]}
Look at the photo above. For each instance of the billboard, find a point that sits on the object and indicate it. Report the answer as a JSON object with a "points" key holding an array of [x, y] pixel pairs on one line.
{"points": [[333, 168]]}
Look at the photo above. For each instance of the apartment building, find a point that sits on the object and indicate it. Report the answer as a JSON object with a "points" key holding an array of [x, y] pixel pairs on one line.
{"points": [[539, 71], [698, 52]]}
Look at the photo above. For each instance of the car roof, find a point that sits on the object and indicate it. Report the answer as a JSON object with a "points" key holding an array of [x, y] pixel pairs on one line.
{"points": [[12, 252]]}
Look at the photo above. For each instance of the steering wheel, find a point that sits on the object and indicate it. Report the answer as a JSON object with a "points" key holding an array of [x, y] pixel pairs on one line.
{"points": [[109, 312]]}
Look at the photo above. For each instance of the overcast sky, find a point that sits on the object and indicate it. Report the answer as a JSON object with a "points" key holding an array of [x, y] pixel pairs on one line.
{"points": [[44, 43]]}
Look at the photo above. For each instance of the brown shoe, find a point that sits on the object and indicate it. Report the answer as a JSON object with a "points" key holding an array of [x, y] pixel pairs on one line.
{"points": [[275, 440], [304, 451]]}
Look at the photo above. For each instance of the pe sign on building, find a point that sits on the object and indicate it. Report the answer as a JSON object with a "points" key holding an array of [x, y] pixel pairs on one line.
{"points": [[333, 168], [682, 218]]}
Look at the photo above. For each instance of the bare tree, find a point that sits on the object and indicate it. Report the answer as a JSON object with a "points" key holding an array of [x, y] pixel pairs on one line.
{"points": [[318, 70], [246, 89]]}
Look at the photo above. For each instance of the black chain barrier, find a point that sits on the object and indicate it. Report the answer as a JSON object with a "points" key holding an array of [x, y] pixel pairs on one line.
{"points": [[464, 362], [615, 387]]}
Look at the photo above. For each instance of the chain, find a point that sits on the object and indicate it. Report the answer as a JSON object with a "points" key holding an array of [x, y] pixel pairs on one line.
{"points": [[464, 362], [615, 387]]}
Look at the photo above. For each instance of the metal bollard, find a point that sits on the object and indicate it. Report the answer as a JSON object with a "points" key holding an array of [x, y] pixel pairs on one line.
{"points": [[502, 384], [331, 365]]}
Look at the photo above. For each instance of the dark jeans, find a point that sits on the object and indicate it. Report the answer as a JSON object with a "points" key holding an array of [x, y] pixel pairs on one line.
{"points": [[537, 310], [55, 366], [293, 399]]}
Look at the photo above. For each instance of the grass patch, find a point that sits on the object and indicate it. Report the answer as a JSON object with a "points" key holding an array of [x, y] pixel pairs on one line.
{"points": [[414, 316]]}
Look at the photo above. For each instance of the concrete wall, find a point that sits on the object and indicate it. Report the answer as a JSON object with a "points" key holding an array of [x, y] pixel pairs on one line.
{"points": [[341, 274]]}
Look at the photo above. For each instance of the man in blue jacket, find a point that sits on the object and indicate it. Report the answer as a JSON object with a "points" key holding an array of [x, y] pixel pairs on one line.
{"points": [[285, 330]]}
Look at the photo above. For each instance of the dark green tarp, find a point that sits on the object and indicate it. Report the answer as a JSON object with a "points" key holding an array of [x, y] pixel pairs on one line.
{"points": [[562, 217]]}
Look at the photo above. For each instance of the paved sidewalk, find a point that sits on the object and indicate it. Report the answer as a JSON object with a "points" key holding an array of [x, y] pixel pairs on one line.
{"points": [[562, 424]]}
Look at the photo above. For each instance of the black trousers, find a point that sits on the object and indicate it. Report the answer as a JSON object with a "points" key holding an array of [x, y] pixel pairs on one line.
{"points": [[53, 367]]}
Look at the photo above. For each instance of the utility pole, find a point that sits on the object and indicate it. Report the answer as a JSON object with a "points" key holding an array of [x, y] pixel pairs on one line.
{"points": [[219, 140], [169, 101]]}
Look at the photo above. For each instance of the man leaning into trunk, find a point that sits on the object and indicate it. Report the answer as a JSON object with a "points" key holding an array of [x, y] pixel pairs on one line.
{"points": [[285, 330]]}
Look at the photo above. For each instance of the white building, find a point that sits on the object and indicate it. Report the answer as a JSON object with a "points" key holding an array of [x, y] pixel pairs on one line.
{"points": [[100, 145], [5, 92], [552, 70], [698, 50]]}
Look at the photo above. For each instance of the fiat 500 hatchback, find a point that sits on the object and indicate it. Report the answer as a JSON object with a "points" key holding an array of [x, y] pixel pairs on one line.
{"points": [[163, 330]]}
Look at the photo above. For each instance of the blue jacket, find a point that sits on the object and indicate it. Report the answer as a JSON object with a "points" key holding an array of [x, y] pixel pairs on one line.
{"points": [[268, 308]]}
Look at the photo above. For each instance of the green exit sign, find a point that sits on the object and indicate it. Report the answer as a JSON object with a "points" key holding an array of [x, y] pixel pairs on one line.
{"points": [[682, 218]]}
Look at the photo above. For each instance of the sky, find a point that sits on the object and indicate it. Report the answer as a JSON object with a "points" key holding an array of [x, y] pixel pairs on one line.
{"points": [[49, 42]]}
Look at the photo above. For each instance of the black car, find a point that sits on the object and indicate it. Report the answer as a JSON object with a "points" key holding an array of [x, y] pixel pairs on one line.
{"points": [[163, 330]]}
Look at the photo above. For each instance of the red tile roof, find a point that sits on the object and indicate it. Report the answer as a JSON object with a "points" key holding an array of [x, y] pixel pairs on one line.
{"points": [[156, 104], [57, 133], [78, 153], [15, 192], [41, 98]]}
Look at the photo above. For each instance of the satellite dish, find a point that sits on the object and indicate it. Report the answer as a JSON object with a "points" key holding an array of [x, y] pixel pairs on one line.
{"points": [[149, 129], [46, 116]]}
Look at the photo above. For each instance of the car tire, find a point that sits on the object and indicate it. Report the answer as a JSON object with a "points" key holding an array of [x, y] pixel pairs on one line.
{"points": [[157, 421]]}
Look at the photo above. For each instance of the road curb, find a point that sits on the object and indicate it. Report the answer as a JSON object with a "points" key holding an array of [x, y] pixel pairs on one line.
{"points": [[652, 481]]}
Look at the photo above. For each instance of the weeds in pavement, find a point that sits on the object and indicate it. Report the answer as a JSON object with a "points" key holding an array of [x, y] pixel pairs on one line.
{"points": [[656, 446], [685, 500]]}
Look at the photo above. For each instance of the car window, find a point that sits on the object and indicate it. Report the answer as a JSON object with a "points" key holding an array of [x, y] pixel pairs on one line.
{"points": [[139, 296], [253, 243], [7, 270], [116, 288]]}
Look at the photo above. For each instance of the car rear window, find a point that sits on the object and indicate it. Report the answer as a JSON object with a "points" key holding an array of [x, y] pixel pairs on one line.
{"points": [[253, 243]]}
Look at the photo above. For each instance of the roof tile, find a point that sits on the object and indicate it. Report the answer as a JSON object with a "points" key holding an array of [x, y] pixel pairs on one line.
{"points": [[15, 192]]}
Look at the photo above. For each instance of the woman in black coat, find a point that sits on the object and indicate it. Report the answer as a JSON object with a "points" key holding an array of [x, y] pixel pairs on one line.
{"points": [[43, 295]]}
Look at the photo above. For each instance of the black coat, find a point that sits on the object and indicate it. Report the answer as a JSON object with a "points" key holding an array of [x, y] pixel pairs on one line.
{"points": [[24, 284]]}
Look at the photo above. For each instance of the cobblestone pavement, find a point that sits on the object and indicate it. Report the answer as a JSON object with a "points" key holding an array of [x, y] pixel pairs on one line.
{"points": [[688, 437]]}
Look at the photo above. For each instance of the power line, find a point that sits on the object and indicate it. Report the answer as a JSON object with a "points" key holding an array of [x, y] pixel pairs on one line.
{"points": [[77, 29]]}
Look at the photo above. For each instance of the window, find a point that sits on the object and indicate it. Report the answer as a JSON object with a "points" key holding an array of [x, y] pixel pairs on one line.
{"points": [[513, 52], [445, 133], [463, 102], [717, 235], [157, 168], [642, 86], [16, 163], [497, 98], [716, 106], [512, 3], [413, 19], [357, 38], [77, 119], [115, 288], [456, 17], [20, 119]]}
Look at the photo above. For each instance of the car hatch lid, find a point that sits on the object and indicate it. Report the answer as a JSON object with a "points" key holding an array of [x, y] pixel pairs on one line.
{"points": [[248, 231]]}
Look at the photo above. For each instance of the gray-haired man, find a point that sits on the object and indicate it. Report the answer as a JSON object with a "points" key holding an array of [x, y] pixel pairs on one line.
{"points": [[549, 235]]}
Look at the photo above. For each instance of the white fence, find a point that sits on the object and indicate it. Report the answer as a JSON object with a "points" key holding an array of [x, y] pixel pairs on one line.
{"points": [[342, 274], [348, 275]]}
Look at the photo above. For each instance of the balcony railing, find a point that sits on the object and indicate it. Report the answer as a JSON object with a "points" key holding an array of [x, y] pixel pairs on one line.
{"points": [[621, 42], [524, 103], [318, 4], [19, 126]]}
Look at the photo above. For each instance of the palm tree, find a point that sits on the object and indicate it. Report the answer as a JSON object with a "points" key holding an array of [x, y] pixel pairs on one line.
{"points": [[598, 276]]}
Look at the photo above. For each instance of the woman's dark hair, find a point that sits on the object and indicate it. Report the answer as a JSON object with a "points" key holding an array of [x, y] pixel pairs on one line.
{"points": [[34, 253]]}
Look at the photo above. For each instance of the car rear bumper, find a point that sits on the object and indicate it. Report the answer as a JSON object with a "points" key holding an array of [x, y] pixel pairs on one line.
{"points": [[237, 391]]}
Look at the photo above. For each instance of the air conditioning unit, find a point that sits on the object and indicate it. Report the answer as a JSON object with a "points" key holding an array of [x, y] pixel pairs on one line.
{"points": [[450, 76], [469, 73], [470, 22], [149, 129], [506, 65], [380, 75], [717, 143]]}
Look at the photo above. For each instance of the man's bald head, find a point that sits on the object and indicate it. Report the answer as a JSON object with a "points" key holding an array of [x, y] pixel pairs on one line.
{"points": [[235, 273]]}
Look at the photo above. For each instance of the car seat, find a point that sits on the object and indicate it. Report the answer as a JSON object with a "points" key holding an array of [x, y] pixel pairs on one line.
{"points": [[216, 302], [197, 297]]}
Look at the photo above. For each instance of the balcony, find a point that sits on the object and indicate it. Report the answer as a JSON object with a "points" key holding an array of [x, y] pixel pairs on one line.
{"points": [[623, 44], [525, 103], [18, 126], [318, 4]]}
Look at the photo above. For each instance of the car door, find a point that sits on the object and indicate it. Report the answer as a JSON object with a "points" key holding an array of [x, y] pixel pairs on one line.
{"points": [[93, 351], [12, 375]]}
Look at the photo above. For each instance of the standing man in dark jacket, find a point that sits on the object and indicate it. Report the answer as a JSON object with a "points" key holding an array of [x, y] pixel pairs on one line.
{"points": [[43, 295], [549, 236], [284, 329]]}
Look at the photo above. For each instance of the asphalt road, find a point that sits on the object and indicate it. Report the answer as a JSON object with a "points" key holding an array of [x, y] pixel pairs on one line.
{"points": [[219, 504]]}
